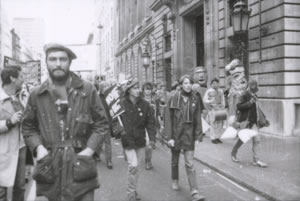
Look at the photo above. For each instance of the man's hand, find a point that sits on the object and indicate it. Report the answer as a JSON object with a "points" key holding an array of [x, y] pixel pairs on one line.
{"points": [[171, 143], [41, 152], [16, 117], [86, 152]]}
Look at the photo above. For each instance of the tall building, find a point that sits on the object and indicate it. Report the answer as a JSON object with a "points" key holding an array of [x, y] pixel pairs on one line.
{"points": [[182, 34], [105, 35], [32, 30], [5, 36]]}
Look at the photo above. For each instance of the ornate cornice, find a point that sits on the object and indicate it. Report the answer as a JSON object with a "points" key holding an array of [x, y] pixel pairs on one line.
{"points": [[156, 5], [159, 3], [137, 37]]}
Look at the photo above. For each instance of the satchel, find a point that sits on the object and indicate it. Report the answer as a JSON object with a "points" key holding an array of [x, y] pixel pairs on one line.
{"points": [[84, 168], [261, 119], [44, 171]]}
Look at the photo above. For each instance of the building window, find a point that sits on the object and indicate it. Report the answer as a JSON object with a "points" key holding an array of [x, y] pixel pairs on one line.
{"points": [[200, 40], [168, 43]]}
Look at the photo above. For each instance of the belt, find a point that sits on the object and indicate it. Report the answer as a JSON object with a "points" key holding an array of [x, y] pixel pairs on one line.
{"points": [[66, 143]]}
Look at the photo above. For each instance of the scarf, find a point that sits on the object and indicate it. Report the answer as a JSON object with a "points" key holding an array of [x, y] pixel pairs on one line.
{"points": [[176, 103]]}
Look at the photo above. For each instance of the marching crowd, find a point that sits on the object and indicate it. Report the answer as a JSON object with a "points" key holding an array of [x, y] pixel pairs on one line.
{"points": [[65, 121]]}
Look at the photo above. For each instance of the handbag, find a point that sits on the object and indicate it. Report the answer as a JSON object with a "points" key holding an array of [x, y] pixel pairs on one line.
{"points": [[261, 118]]}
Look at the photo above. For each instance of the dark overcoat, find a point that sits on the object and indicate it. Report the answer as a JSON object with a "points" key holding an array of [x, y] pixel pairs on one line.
{"points": [[183, 132], [137, 118]]}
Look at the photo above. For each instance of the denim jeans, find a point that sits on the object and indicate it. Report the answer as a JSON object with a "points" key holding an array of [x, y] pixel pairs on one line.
{"points": [[255, 145], [19, 184], [148, 153], [134, 161], [189, 167]]}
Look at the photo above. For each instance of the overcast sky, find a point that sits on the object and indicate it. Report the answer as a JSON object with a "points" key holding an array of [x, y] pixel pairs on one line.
{"points": [[66, 21]]}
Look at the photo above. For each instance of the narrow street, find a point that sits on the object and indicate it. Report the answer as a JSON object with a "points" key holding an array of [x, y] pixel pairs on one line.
{"points": [[155, 184]]}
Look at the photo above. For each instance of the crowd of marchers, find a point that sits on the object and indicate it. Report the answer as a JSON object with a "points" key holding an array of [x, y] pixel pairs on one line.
{"points": [[65, 121]]}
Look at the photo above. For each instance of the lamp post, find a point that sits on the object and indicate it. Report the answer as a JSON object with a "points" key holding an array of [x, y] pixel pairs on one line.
{"points": [[240, 16], [146, 62]]}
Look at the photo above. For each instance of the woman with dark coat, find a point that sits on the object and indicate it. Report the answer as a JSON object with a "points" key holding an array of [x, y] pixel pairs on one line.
{"points": [[137, 119], [184, 130]]}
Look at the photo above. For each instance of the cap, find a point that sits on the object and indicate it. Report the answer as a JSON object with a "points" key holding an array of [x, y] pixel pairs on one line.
{"points": [[130, 84], [58, 46]]}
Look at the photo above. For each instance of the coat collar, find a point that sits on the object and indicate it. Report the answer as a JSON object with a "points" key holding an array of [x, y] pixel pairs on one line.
{"points": [[73, 82], [139, 99], [3, 95]]}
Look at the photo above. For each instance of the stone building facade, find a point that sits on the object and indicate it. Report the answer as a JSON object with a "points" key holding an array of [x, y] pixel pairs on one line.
{"points": [[183, 34]]}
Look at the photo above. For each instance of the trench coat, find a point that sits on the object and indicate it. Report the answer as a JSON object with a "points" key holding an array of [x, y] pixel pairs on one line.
{"points": [[62, 174], [10, 142], [184, 133]]}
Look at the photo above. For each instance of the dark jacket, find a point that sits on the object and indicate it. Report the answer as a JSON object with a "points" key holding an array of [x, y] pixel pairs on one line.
{"points": [[85, 126], [183, 132], [136, 119], [246, 111]]}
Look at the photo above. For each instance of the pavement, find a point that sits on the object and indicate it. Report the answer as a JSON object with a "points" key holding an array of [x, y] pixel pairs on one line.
{"points": [[279, 181]]}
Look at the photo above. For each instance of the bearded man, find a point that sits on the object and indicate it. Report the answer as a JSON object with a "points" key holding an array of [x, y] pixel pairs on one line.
{"points": [[64, 124]]}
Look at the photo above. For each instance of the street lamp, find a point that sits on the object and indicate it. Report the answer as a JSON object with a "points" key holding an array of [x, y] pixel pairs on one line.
{"points": [[146, 61], [240, 17]]}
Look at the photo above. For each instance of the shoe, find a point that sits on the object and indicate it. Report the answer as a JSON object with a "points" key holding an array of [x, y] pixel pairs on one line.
{"points": [[148, 165], [260, 164], [97, 157], [175, 185], [234, 159], [219, 141], [132, 198], [197, 197], [137, 196], [109, 164], [214, 141]]}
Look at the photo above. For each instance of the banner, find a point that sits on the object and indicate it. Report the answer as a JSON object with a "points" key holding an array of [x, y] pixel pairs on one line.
{"points": [[113, 99], [31, 70], [7, 62]]}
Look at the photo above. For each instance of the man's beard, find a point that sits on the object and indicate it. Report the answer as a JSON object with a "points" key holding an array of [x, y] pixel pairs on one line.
{"points": [[59, 78]]}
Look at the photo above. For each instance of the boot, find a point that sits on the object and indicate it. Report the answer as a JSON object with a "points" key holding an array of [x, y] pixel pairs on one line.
{"points": [[234, 159], [137, 196], [260, 164], [148, 165], [197, 197], [175, 185], [109, 164]]}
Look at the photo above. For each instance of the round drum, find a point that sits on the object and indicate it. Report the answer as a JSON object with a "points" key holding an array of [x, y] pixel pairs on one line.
{"points": [[219, 115]]}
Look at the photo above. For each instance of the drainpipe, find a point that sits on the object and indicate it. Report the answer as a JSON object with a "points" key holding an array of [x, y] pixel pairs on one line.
{"points": [[260, 46]]}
